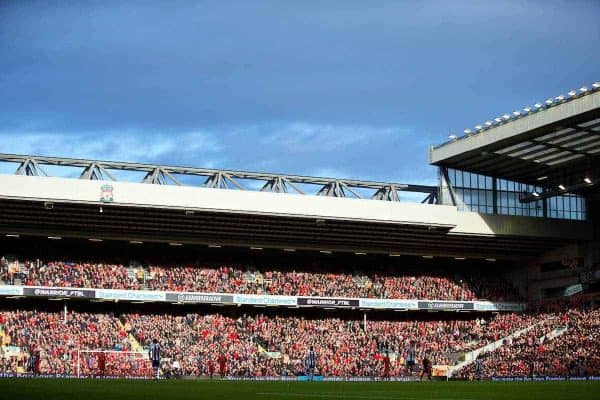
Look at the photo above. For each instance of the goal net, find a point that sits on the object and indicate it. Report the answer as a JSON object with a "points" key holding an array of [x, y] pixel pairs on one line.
{"points": [[111, 363]]}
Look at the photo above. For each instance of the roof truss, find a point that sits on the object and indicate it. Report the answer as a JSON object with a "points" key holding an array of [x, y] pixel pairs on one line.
{"points": [[224, 179]]}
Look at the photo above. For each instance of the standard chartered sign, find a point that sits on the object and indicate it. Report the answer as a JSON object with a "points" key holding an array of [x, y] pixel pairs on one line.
{"points": [[389, 304], [264, 300], [135, 295]]}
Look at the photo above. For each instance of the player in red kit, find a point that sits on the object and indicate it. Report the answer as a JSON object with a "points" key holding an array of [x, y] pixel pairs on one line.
{"points": [[211, 368], [222, 365], [102, 364], [386, 366], [426, 372], [38, 360]]}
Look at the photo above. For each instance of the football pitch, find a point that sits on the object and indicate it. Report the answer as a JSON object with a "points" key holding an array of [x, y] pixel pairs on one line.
{"points": [[33, 389]]}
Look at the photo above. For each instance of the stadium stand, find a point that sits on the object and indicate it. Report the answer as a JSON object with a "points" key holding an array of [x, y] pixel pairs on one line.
{"points": [[437, 284], [565, 346], [57, 336], [255, 345]]}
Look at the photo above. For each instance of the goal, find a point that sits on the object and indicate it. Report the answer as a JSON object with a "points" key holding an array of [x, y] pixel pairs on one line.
{"points": [[112, 363]]}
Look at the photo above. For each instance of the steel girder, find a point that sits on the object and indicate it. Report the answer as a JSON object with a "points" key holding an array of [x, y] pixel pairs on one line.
{"points": [[223, 179]]}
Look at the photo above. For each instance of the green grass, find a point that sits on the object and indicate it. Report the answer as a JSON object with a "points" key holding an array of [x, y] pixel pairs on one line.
{"points": [[33, 389]]}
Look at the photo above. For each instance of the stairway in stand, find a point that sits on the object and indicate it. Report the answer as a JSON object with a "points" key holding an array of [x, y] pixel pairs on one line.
{"points": [[471, 356]]}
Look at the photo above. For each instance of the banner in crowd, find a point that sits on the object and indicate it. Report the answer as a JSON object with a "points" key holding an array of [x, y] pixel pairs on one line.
{"points": [[390, 304], [446, 305], [315, 378], [68, 293], [440, 370], [327, 302], [255, 299], [185, 297], [369, 379], [491, 306], [573, 289], [264, 300], [303, 378], [11, 351], [68, 376], [131, 295], [260, 378], [544, 378], [6, 290]]}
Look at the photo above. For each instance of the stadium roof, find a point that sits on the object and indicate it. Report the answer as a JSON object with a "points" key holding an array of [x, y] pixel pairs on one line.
{"points": [[31, 165], [553, 144], [79, 208]]}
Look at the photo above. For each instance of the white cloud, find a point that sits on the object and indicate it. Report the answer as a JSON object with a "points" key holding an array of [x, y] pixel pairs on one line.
{"points": [[299, 137], [119, 145], [385, 153], [327, 173]]}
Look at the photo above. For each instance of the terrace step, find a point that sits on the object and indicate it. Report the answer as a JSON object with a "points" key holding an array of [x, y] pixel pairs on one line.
{"points": [[471, 356]]}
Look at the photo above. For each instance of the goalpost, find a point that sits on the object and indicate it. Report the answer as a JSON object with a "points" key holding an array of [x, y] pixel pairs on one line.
{"points": [[113, 363]]}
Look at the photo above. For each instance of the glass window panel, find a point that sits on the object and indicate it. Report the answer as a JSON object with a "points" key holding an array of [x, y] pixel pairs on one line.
{"points": [[467, 196], [512, 202], [459, 179], [475, 192]]}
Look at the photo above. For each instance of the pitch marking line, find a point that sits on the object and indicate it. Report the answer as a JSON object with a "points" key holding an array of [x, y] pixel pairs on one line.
{"points": [[336, 395]]}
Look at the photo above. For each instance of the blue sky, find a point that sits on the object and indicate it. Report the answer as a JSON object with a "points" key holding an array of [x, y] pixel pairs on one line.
{"points": [[338, 88]]}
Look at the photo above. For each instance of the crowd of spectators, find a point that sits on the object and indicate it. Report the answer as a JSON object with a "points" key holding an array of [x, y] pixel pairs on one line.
{"points": [[253, 345], [57, 337], [57, 273], [275, 281], [573, 352]]}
